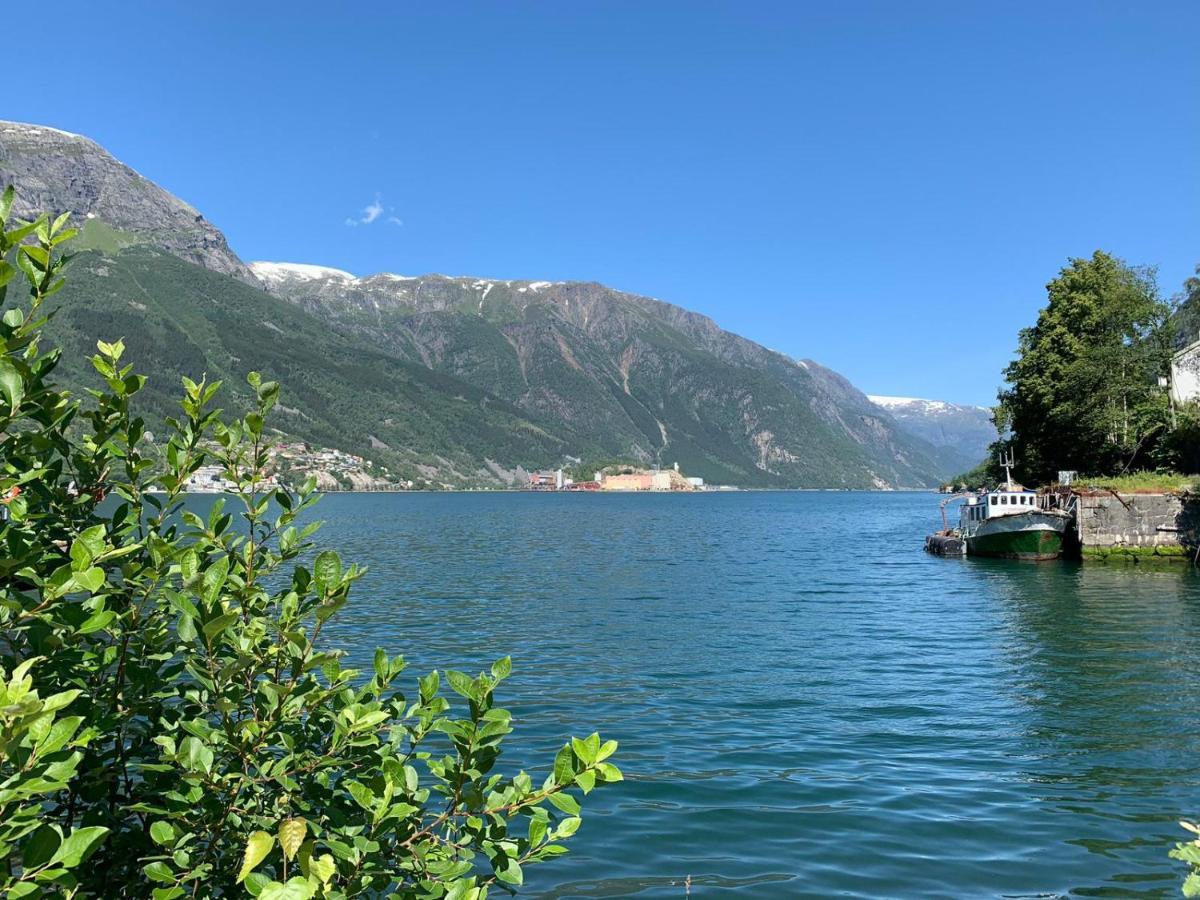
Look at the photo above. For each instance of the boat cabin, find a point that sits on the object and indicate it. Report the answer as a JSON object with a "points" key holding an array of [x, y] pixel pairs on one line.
{"points": [[1010, 500]]}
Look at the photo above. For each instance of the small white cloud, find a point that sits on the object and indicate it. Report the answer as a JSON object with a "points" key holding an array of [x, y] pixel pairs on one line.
{"points": [[372, 212]]}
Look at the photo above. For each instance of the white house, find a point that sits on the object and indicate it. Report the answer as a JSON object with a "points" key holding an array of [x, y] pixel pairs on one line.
{"points": [[1185, 374]]}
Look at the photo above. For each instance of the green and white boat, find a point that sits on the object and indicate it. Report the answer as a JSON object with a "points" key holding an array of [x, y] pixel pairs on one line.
{"points": [[1012, 522]]}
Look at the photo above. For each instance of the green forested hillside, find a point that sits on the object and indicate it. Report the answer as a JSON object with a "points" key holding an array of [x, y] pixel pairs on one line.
{"points": [[645, 379], [439, 391], [179, 319]]}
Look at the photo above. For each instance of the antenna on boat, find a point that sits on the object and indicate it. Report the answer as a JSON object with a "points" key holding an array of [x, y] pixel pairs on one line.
{"points": [[1007, 462]]}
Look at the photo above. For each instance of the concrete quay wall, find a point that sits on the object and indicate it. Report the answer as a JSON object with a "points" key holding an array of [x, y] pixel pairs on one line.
{"points": [[1136, 526]]}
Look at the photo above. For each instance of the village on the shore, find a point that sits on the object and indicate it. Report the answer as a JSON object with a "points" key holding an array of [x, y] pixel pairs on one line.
{"points": [[292, 462], [622, 478]]}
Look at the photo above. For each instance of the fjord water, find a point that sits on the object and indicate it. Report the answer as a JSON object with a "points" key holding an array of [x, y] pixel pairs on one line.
{"points": [[807, 704]]}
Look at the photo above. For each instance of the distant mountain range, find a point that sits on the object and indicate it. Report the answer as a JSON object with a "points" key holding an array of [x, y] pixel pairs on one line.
{"points": [[453, 380], [962, 434]]}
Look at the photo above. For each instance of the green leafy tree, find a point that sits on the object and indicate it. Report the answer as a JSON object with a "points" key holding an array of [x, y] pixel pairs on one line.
{"points": [[1189, 852], [1083, 391], [170, 710], [1187, 313]]}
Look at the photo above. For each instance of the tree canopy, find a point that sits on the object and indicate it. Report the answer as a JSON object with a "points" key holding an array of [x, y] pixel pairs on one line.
{"points": [[1083, 392]]}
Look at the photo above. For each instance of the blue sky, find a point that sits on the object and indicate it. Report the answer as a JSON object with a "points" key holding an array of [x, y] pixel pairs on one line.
{"points": [[883, 187]]}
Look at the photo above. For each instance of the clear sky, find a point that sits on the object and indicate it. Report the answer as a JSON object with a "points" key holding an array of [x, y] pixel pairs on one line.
{"points": [[883, 187]]}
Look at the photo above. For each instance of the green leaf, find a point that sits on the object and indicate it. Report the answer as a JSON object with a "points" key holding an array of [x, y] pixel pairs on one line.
{"points": [[163, 833], [564, 765], [90, 580], [380, 663], [429, 685], [502, 668], [362, 795], [219, 624], [327, 570], [537, 830], [291, 835], [565, 802], [323, 867], [12, 386], [609, 772], [298, 888], [160, 872], [568, 827], [97, 621], [195, 756], [41, 847], [258, 845], [462, 684], [585, 753], [509, 871], [59, 734], [78, 846], [214, 579]]}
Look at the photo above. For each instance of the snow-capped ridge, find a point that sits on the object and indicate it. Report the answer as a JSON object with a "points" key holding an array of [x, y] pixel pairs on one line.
{"points": [[893, 403], [26, 128], [274, 272]]}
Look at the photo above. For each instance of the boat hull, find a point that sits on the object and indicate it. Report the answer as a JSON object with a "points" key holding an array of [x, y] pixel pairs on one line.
{"points": [[1034, 535]]}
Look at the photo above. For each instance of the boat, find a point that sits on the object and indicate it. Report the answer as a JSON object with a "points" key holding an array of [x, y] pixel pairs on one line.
{"points": [[1012, 522]]}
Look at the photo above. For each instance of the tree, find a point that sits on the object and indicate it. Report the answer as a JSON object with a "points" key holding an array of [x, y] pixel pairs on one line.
{"points": [[1187, 313], [1083, 391], [168, 707]]}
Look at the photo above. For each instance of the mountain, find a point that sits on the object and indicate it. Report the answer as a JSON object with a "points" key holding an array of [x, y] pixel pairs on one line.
{"points": [[446, 379], [113, 204], [961, 434], [629, 374]]}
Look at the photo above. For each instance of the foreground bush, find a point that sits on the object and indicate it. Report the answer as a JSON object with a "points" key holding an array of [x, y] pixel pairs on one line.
{"points": [[170, 722], [1189, 852]]}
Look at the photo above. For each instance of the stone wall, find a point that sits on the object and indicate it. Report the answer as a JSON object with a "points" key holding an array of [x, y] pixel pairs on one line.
{"points": [[1137, 525]]}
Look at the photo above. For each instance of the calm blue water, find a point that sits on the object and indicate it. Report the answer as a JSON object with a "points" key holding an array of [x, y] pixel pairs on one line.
{"points": [[807, 704]]}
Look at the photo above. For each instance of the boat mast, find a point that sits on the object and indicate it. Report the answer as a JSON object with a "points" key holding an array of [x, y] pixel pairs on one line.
{"points": [[1007, 463]]}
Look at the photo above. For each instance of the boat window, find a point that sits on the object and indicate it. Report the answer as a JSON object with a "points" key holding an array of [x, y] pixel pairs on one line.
{"points": [[994, 501], [1004, 500]]}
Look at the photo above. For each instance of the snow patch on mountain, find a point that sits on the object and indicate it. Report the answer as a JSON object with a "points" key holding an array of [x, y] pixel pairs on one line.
{"points": [[275, 272], [917, 404]]}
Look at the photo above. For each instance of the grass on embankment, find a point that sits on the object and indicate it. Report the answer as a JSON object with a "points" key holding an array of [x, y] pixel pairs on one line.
{"points": [[1143, 482]]}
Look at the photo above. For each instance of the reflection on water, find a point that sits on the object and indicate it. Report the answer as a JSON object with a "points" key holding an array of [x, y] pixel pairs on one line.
{"points": [[807, 704]]}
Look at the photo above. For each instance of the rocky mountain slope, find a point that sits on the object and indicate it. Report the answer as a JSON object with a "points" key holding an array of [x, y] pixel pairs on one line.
{"points": [[56, 170], [632, 374], [454, 380], [961, 434]]}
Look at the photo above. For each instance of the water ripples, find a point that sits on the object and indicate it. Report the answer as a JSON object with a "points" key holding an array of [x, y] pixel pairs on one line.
{"points": [[807, 704]]}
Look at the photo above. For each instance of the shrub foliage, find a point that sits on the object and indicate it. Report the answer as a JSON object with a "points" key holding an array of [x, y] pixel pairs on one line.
{"points": [[171, 723]]}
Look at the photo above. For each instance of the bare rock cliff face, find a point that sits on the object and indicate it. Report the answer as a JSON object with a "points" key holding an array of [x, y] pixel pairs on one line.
{"points": [[62, 172]]}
